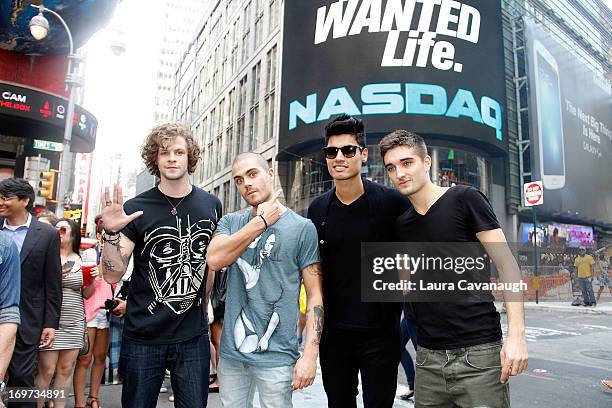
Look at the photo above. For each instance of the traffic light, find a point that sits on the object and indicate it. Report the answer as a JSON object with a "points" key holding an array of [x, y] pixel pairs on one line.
{"points": [[47, 185]]}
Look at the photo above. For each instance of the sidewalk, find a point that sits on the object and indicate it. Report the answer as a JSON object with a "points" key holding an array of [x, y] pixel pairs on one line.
{"points": [[603, 308], [311, 397]]}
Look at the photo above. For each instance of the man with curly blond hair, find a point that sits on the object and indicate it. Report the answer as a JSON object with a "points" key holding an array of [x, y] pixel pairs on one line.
{"points": [[167, 229]]}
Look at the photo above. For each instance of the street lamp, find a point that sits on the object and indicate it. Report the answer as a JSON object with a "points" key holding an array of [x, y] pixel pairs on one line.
{"points": [[39, 27]]}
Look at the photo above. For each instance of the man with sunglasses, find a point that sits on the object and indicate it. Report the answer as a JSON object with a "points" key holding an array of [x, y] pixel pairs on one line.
{"points": [[41, 280], [358, 337]]}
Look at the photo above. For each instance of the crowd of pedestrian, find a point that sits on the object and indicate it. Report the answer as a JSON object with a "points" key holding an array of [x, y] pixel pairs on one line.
{"points": [[52, 303]]}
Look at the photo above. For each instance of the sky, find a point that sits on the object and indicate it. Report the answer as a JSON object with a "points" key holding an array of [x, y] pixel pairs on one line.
{"points": [[119, 90]]}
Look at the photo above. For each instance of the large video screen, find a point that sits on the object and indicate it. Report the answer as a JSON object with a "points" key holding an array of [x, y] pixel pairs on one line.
{"points": [[570, 114], [429, 67]]}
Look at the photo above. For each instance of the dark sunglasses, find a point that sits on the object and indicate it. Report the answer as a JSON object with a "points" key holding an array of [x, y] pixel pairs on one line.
{"points": [[348, 151], [61, 230]]}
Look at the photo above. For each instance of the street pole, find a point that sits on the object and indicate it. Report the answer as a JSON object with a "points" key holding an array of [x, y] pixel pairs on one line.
{"points": [[535, 250], [64, 158], [72, 82]]}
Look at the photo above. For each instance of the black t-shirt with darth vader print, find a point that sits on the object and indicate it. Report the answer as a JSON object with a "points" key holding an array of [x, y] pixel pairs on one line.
{"points": [[167, 284]]}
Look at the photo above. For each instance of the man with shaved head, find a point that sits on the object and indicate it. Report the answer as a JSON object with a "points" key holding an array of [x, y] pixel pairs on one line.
{"points": [[268, 250]]}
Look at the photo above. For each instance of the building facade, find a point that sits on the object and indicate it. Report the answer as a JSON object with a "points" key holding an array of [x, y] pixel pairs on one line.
{"points": [[178, 21], [227, 88]]}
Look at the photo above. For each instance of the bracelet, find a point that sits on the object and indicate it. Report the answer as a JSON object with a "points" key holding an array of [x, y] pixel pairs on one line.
{"points": [[111, 238], [264, 220], [111, 233]]}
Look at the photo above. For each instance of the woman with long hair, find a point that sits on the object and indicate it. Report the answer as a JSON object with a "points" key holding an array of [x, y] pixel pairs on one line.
{"points": [[60, 358], [97, 332]]}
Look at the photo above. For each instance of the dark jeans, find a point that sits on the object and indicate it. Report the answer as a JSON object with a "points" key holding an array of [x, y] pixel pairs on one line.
{"points": [[345, 353], [408, 330], [142, 368], [588, 296]]}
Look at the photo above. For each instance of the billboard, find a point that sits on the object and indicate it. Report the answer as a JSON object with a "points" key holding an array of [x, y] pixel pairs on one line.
{"points": [[45, 116], [556, 234], [571, 129], [427, 66]]}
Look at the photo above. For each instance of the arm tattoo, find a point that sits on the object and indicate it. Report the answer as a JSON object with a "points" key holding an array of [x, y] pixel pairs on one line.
{"points": [[314, 269], [318, 323], [108, 265]]}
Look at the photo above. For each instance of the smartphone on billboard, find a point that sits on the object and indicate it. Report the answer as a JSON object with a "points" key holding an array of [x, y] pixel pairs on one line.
{"points": [[549, 116]]}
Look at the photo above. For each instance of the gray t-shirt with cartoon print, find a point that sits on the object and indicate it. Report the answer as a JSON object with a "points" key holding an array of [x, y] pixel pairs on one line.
{"points": [[263, 287]]}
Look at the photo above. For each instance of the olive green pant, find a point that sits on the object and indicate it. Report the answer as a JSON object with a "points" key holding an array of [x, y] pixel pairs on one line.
{"points": [[460, 378]]}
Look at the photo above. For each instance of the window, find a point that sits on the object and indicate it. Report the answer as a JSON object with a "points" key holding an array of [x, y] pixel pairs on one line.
{"points": [[201, 92], [222, 148], [226, 196], [214, 153], [257, 32], [206, 157], [270, 96], [216, 63], [198, 137], [234, 47], [237, 200], [246, 32], [207, 89], [229, 140], [240, 134], [272, 15], [223, 61], [254, 111]]}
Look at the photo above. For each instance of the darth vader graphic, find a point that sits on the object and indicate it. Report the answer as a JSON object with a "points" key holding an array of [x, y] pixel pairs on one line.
{"points": [[177, 263]]}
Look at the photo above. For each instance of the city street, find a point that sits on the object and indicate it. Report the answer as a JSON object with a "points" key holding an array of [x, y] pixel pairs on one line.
{"points": [[230, 156], [569, 354]]}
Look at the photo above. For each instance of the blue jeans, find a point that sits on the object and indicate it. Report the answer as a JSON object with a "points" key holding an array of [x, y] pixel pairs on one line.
{"points": [[588, 296], [142, 368], [408, 330], [237, 382]]}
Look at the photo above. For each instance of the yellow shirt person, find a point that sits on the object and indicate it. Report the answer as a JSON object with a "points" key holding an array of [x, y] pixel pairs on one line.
{"points": [[583, 264]]}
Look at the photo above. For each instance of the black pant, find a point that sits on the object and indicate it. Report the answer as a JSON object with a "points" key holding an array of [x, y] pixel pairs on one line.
{"points": [[345, 353], [22, 369]]}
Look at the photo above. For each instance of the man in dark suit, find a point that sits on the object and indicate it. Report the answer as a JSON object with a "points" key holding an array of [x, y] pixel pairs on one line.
{"points": [[41, 279]]}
